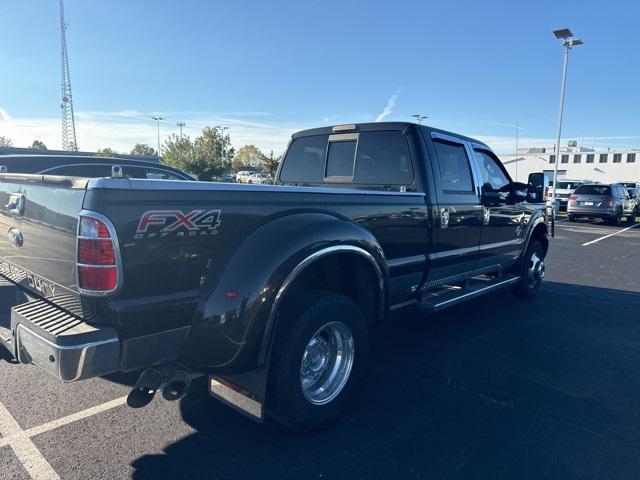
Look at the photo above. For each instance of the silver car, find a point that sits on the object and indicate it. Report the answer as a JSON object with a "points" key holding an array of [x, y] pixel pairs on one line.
{"points": [[610, 202]]}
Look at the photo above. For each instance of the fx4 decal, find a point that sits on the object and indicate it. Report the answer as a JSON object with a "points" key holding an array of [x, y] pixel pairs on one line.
{"points": [[162, 223]]}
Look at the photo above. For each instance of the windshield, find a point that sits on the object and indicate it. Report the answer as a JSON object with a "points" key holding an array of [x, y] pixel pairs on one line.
{"points": [[593, 190]]}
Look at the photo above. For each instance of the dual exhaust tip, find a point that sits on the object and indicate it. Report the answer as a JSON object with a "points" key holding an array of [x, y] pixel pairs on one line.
{"points": [[173, 383]]}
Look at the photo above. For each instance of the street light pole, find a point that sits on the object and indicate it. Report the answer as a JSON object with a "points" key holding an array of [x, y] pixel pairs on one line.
{"points": [[181, 124], [157, 119], [517, 130], [569, 42], [419, 117]]}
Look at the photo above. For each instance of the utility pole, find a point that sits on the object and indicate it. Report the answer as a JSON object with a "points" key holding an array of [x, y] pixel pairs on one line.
{"points": [[66, 106], [568, 42], [157, 119], [180, 125]]}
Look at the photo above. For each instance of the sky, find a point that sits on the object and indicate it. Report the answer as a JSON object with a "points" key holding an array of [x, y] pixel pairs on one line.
{"points": [[267, 69]]}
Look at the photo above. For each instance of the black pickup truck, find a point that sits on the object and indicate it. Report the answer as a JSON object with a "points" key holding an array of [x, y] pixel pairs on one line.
{"points": [[271, 290]]}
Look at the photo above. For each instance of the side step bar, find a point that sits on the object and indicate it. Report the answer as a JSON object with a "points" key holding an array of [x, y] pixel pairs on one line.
{"points": [[434, 302]]}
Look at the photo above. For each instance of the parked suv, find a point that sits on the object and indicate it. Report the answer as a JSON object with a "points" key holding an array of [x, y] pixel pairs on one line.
{"points": [[610, 202]]}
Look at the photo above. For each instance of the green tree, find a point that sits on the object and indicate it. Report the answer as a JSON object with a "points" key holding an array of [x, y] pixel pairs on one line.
{"points": [[248, 156], [271, 163], [5, 142], [142, 149], [207, 156], [106, 152], [39, 145]]}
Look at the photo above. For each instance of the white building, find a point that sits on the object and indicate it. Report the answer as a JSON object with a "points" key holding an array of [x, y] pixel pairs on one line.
{"points": [[576, 163]]}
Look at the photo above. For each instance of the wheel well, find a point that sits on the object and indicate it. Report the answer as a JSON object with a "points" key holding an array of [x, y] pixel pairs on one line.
{"points": [[349, 274], [540, 234]]}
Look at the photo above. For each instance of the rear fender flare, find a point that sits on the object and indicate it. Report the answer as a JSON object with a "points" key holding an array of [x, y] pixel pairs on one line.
{"points": [[237, 310]]}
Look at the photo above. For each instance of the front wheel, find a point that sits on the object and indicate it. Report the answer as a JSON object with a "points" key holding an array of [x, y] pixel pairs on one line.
{"points": [[531, 270], [319, 361]]}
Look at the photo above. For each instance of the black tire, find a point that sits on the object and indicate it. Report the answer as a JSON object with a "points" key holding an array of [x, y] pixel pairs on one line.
{"points": [[571, 218], [617, 220], [302, 316], [527, 287]]}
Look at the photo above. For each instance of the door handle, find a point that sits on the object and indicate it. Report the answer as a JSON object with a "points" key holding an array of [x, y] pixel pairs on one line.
{"points": [[444, 217]]}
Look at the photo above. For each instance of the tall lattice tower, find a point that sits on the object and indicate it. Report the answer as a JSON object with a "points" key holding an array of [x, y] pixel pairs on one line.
{"points": [[68, 120]]}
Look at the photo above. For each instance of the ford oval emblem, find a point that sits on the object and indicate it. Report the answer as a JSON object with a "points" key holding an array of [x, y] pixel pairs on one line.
{"points": [[15, 237]]}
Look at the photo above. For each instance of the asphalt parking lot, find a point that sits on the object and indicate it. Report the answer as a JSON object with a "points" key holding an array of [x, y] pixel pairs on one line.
{"points": [[496, 388]]}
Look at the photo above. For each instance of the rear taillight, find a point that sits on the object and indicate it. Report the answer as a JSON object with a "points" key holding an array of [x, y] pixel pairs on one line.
{"points": [[573, 197], [98, 261], [546, 194], [608, 200]]}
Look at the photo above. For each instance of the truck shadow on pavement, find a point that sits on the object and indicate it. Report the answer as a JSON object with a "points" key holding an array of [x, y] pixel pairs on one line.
{"points": [[497, 388]]}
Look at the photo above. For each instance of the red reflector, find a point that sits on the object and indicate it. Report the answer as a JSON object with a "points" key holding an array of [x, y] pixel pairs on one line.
{"points": [[573, 197], [96, 278], [96, 252], [90, 227], [231, 294]]}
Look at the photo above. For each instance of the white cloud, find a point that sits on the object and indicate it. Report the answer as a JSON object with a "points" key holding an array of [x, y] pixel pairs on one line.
{"points": [[388, 110], [121, 130]]}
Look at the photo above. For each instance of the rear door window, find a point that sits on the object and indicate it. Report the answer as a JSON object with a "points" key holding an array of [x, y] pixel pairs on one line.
{"points": [[455, 171], [383, 159], [304, 161]]}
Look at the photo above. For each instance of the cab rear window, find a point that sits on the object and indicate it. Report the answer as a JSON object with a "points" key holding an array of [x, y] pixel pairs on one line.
{"points": [[304, 162], [371, 158]]}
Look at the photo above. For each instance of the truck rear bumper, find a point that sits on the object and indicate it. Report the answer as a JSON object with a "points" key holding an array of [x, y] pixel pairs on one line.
{"points": [[38, 332], [61, 344]]}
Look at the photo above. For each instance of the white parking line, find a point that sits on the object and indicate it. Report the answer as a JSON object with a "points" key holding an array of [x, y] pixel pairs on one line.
{"points": [[26, 452], [610, 235]]}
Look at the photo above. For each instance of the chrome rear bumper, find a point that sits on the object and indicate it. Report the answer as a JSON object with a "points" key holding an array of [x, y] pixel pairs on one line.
{"points": [[61, 344]]}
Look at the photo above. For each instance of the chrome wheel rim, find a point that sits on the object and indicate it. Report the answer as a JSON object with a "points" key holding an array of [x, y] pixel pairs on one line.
{"points": [[326, 363], [535, 274]]}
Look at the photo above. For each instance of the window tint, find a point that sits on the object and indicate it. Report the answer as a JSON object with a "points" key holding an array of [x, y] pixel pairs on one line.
{"points": [[90, 171], [631, 157], [304, 161], [577, 158], [564, 159], [493, 178], [590, 157], [552, 159], [455, 172], [149, 173], [603, 158], [593, 190], [617, 157], [340, 159], [383, 159]]}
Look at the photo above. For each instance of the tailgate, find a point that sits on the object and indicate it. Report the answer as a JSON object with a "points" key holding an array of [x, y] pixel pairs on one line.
{"points": [[39, 215]]}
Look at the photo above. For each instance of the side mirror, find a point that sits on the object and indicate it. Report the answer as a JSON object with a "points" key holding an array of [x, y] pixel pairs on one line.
{"points": [[519, 192], [535, 188]]}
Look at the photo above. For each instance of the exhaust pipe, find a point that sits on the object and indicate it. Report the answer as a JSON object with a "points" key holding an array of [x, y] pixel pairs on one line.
{"points": [[145, 388], [174, 384], [176, 387]]}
